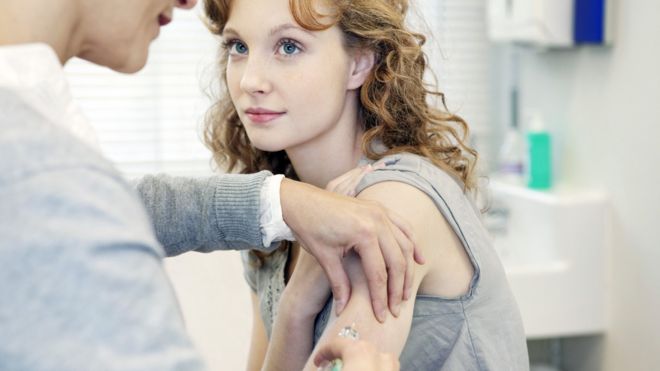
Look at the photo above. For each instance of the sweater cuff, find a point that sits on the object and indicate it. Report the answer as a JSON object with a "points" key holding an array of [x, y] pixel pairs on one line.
{"points": [[237, 206]]}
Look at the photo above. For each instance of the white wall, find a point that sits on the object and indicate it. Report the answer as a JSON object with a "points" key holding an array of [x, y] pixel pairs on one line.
{"points": [[603, 105]]}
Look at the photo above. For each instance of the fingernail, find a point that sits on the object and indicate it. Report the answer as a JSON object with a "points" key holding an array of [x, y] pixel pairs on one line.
{"points": [[339, 307], [382, 315]]}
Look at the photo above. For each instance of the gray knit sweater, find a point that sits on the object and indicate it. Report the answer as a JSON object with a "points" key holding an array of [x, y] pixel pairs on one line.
{"points": [[82, 285]]}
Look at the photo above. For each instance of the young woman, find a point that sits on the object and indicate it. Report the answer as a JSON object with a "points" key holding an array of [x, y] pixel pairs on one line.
{"points": [[316, 88]]}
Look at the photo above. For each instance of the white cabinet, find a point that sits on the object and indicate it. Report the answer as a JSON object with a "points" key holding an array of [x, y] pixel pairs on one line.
{"points": [[554, 247]]}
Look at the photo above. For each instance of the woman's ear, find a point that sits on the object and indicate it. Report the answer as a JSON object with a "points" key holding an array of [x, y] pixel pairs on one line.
{"points": [[362, 64]]}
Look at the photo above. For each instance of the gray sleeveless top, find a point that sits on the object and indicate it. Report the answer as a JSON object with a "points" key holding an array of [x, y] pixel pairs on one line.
{"points": [[481, 330]]}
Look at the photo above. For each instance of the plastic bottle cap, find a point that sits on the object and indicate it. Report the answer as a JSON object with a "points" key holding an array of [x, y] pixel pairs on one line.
{"points": [[536, 123]]}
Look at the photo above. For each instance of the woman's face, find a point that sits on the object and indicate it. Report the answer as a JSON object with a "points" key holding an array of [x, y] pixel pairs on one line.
{"points": [[117, 33], [289, 85]]}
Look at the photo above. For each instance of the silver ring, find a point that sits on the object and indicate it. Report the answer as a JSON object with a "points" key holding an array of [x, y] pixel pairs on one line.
{"points": [[349, 332]]}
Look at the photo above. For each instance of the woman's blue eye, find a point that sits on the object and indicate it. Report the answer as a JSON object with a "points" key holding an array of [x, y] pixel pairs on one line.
{"points": [[239, 48], [289, 48], [235, 47]]}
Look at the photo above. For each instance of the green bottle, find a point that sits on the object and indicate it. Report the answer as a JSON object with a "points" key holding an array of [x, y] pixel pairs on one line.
{"points": [[540, 156]]}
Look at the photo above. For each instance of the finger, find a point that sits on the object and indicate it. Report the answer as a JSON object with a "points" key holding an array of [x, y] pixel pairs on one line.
{"points": [[379, 165], [407, 229], [349, 187], [350, 182], [336, 348], [345, 189], [353, 182], [371, 257], [329, 352], [407, 250], [397, 266], [407, 245], [401, 223], [335, 183], [339, 282]]}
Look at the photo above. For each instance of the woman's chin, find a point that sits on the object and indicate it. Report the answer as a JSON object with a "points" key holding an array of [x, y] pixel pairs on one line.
{"points": [[270, 149], [266, 146]]}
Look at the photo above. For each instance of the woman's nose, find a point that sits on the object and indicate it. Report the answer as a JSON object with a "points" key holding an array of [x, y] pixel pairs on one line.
{"points": [[254, 80], [185, 4]]}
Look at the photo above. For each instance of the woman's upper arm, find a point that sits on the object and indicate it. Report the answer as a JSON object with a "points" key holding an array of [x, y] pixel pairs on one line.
{"points": [[391, 335], [259, 339]]}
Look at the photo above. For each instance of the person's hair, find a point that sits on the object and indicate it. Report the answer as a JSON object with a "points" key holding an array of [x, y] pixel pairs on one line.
{"points": [[393, 100]]}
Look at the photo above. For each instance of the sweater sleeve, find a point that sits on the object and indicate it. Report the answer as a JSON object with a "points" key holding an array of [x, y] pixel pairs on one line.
{"points": [[204, 214]]}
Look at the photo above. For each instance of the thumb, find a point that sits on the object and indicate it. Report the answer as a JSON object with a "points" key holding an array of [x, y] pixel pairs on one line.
{"points": [[332, 350]]}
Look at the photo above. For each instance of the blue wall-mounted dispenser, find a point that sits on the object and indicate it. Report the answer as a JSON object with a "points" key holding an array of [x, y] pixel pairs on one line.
{"points": [[592, 22]]}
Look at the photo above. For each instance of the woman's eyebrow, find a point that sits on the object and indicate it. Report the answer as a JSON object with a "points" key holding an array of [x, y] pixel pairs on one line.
{"points": [[230, 31], [288, 26], [274, 31]]}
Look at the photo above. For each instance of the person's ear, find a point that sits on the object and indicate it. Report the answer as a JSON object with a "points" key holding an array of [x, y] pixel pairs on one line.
{"points": [[361, 65]]}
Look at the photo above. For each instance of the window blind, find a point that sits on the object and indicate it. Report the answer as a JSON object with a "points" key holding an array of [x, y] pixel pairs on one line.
{"points": [[459, 56]]}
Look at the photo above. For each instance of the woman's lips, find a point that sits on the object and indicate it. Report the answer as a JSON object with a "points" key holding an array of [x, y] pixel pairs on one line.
{"points": [[262, 118]]}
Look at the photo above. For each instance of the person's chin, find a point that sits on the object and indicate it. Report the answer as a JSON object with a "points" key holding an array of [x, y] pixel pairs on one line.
{"points": [[131, 62], [266, 146], [122, 58], [132, 65]]}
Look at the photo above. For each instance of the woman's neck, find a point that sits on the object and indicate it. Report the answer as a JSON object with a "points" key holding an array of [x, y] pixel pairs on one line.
{"points": [[36, 21], [320, 166], [333, 153]]}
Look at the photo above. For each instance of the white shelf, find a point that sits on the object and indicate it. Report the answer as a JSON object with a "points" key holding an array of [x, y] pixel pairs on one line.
{"points": [[554, 248]]}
